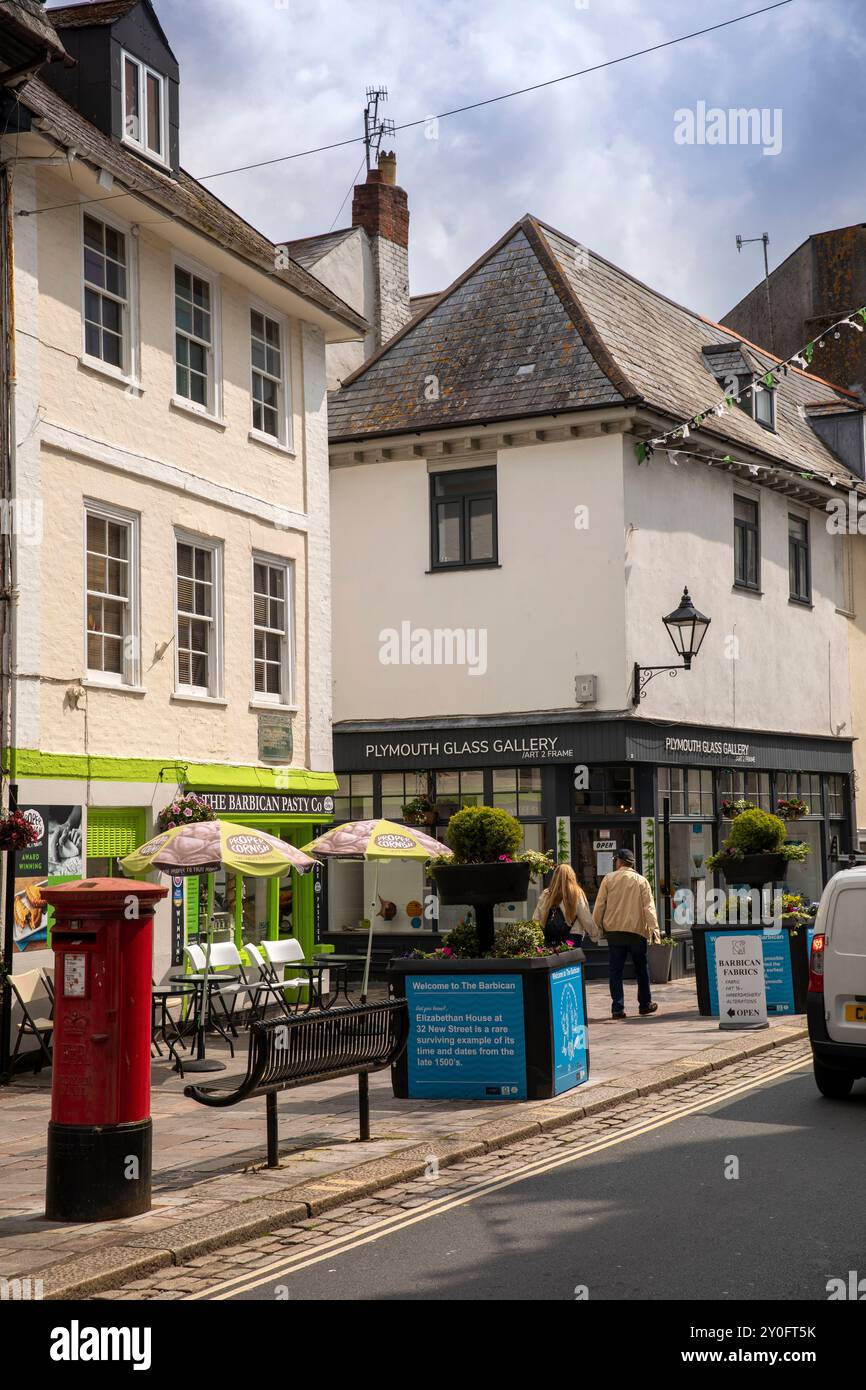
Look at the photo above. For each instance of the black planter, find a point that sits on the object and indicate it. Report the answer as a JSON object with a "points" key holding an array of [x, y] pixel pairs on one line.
{"points": [[754, 869], [510, 1029], [482, 886], [477, 884]]}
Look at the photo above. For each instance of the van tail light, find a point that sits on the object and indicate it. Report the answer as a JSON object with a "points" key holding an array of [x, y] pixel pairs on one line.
{"points": [[816, 964]]}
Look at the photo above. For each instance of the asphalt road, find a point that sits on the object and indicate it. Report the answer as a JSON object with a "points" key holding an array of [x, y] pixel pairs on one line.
{"points": [[648, 1217]]}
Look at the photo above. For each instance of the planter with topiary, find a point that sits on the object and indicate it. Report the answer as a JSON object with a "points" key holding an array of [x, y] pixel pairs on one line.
{"points": [[493, 1013], [485, 869], [755, 852]]}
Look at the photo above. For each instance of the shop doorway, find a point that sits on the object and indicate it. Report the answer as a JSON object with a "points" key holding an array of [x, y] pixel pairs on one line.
{"points": [[593, 848]]}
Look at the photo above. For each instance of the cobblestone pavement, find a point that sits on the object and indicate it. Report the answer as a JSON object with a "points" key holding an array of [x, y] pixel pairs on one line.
{"points": [[206, 1277], [205, 1159]]}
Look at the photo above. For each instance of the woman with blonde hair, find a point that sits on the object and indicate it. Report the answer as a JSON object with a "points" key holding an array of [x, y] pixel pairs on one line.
{"points": [[563, 910]]}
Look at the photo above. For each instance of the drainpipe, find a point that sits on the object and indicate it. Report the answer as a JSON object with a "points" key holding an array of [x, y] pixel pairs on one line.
{"points": [[8, 584]]}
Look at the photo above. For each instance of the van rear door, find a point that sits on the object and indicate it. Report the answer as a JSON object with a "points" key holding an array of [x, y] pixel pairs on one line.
{"points": [[845, 965]]}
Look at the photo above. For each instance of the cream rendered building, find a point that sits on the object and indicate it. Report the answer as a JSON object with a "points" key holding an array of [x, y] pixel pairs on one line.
{"points": [[166, 450]]}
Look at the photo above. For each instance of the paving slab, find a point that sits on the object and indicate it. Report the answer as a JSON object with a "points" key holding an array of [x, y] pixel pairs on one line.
{"points": [[211, 1186]]}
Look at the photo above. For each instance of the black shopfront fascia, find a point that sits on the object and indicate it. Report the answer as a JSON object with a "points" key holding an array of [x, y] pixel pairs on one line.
{"points": [[559, 746]]}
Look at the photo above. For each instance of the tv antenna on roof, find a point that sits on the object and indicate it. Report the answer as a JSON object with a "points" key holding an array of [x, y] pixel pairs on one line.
{"points": [[374, 125], [765, 238]]}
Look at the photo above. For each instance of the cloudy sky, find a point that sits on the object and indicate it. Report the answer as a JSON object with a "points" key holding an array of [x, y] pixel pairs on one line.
{"points": [[595, 156]]}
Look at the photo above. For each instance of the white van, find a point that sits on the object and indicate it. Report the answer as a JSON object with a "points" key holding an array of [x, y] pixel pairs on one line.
{"points": [[836, 1002]]}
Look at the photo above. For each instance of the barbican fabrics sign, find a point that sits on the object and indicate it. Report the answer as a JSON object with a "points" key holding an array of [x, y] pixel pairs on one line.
{"points": [[711, 748]]}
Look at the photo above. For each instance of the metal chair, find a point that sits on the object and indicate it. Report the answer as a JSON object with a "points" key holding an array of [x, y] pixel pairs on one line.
{"points": [[217, 990], [27, 988]]}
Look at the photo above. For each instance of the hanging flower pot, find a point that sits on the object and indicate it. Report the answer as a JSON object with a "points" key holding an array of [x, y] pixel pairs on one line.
{"points": [[185, 808], [792, 808], [16, 832]]}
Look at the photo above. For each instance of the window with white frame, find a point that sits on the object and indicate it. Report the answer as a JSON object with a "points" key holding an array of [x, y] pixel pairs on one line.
{"points": [[267, 359], [198, 616], [111, 545], [106, 293], [271, 631], [194, 338], [145, 112]]}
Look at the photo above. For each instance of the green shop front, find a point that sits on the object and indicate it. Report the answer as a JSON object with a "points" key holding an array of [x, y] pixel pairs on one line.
{"points": [[106, 807]]}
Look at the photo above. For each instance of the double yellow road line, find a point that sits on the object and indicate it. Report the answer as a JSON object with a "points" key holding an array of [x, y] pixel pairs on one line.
{"points": [[340, 1245]]}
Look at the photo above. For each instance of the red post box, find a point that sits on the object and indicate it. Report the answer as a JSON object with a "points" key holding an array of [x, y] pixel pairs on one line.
{"points": [[99, 1137]]}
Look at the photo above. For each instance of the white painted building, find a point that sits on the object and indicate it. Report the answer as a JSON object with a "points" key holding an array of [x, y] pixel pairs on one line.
{"points": [[496, 540], [168, 622]]}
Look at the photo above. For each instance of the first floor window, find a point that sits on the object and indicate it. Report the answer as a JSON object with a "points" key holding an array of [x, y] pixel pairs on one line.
{"points": [[745, 542], [197, 611], [109, 551], [194, 338], [266, 350], [689, 790], [271, 630], [798, 559], [463, 520], [106, 300]]}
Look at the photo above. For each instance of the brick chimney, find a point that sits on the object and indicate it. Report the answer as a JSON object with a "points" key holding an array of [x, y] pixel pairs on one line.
{"points": [[381, 208]]}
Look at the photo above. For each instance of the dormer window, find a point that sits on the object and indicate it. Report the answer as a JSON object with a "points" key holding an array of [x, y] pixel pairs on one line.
{"points": [[765, 407], [144, 108]]}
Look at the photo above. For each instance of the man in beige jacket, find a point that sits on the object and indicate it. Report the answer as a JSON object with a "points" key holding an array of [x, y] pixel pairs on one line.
{"points": [[625, 914]]}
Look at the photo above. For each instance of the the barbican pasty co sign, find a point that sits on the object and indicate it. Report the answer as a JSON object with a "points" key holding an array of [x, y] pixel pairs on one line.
{"points": [[230, 804]]}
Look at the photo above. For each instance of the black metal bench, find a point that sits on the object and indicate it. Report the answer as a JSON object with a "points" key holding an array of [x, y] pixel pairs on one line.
{"points": [[317, 1046]]}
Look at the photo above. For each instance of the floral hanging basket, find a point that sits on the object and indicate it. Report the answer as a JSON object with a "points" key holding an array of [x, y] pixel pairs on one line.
{"points": [[792, 808], [17, 832], [186, 808]]}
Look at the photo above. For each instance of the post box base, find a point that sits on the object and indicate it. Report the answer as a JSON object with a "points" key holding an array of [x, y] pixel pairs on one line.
{"points": [[98, 1172]]}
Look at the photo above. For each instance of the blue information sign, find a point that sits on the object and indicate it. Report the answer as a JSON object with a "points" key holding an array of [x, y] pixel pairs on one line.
{"points": [[570, 1062], [778, 979], [466, 1037]]}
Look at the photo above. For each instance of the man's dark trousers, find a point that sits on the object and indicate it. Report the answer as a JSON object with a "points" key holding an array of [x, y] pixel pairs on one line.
{"points": [[617, 956]]}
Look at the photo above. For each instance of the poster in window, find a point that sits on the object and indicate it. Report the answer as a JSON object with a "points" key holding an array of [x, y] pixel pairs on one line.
{"points": [[55, 857]]}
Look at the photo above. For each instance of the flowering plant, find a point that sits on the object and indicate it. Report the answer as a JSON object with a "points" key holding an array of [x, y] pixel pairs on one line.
{"points": [[792, 808], [17, 832], [735, 808], [186, 808]]}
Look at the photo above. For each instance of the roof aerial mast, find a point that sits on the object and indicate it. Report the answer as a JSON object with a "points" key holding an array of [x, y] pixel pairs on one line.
{"points": [[374, 125]]}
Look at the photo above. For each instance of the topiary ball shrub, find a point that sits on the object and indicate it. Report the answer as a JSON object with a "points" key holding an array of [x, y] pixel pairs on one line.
{"points": [[462, 940], [518, 939], [756, 832], [483, 834]]}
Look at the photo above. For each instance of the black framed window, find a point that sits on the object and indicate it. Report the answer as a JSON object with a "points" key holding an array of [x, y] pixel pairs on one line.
{"points": [[736, 785], [765, 408], [610, 792], [836, 796], [463, 518], [806, 785], [518, 790], [798, 559], [746, 543], [689, 790], [454, 790], [353, 799]]}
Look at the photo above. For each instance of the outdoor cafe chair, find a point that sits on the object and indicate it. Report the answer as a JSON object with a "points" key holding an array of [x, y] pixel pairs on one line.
{"points": [[218, 990], [30, 991], [269, 985], [288, 951]]}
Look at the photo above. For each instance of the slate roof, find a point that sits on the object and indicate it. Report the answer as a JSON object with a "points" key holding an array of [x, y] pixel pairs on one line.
{"points": [[181, 197], [28, 19], [597, 337], [97, 12], [310, 249]]}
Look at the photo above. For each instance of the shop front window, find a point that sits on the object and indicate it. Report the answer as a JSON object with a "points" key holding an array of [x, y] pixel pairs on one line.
{"points": [[805, 785], [691, 844], [454, 790], [688, 789], [805, 876], [353, 799], [735, 785], [518, 790], [836, 797], [610, 792]]}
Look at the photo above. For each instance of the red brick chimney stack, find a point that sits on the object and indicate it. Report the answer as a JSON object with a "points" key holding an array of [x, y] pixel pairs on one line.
{"points": [[381, 208]]}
